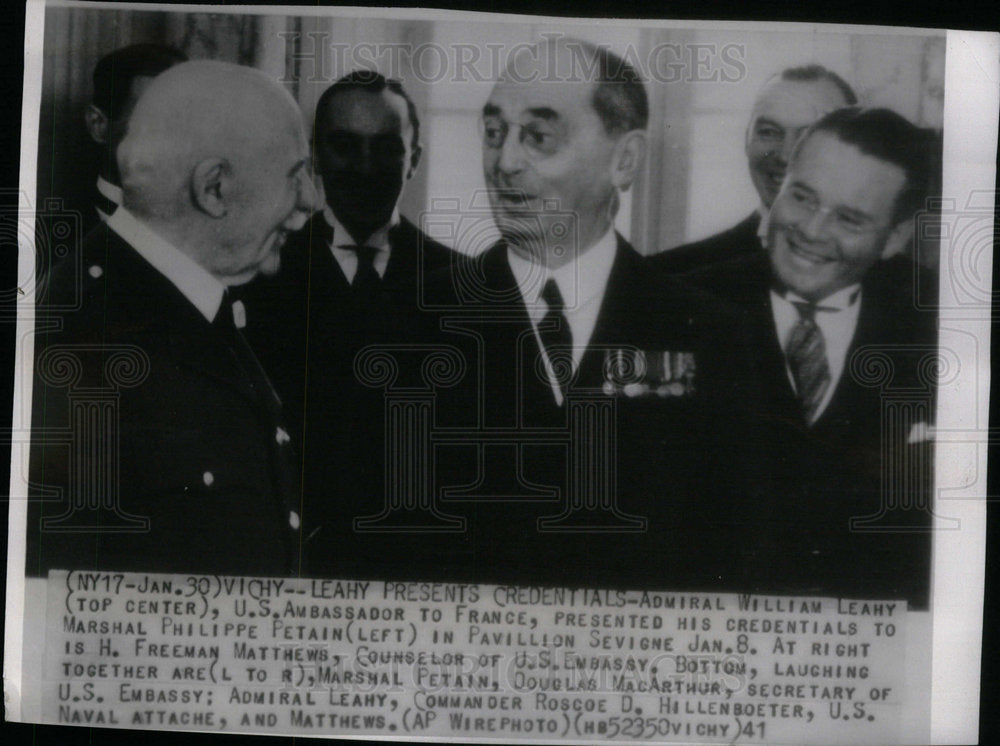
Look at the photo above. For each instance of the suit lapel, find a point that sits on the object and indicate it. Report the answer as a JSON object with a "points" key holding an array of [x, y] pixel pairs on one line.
{"points": [[512, 340], [611, 328], [402, 267], [325, 274], [847, 399], [777, 393]]}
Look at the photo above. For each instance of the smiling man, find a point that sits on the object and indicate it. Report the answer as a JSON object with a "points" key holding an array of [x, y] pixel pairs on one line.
{"points": [[191, 471], [786, 105], [830, 293]]}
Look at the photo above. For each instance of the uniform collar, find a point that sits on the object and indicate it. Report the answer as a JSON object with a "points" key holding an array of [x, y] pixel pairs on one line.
{"points": [[197, 284], [109, 190]]}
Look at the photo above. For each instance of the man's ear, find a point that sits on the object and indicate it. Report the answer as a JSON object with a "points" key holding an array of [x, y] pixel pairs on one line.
{"points": [[211, 186], [629, 156], [97, 123], [414, 160], [900, 239]]}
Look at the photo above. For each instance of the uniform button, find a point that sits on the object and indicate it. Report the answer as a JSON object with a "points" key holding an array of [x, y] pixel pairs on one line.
{"points": [[293, 520], [239, 314], [208, 477], [95, 271], [282, 436]]}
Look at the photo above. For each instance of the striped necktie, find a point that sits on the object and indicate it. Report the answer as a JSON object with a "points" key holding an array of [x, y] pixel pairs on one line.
{"points": [[806, 353]]}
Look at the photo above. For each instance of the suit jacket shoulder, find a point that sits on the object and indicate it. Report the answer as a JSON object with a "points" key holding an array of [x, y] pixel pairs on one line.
{"points": [[736, 241], [434, 254]]}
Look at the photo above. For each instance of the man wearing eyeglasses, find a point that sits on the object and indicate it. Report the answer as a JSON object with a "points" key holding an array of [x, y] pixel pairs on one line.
{"points": [[576, 338], [837, 330], [785, 106]]}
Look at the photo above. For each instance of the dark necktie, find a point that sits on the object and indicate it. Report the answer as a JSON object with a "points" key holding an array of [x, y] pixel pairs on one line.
{"points": [[366, 278], [556, 335], [806, 352]]}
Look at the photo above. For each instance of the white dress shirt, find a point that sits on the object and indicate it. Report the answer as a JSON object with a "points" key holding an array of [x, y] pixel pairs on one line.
{"points": [[348, 259], [109, 190], [196, 283], [836, 317], [581, 283], [764, 224]]}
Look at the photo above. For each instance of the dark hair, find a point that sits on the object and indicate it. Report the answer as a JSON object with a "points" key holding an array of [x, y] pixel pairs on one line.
{"points": [[114, 73], [372, 82], [813, 73], [884, 134], [619, 94]]}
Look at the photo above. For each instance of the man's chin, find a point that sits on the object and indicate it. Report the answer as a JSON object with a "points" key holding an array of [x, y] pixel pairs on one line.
{"points": [[358, 211], [524, 233]]}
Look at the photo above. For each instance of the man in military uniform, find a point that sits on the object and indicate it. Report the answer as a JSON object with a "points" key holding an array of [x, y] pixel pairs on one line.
{"points": [[158, 441]]}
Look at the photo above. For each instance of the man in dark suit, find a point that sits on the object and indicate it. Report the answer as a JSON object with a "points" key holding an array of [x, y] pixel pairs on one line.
{"points": [[787, 104], [595, 383], [359, 274], [119, 79], [158, 441], [845, 353]]}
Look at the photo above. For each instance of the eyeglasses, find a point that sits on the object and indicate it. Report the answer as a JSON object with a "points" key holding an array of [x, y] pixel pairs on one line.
{"points": [[803, 204], [538, 139]]}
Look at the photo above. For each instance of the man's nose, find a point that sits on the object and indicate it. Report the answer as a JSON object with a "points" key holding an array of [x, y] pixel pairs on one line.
{"points": [[814, 226], [308, 197], [792, 136], [512, 155], [362, 157]]}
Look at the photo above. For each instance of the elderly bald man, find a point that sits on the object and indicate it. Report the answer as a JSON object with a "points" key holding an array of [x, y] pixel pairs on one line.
{"points": [[177, 458]]}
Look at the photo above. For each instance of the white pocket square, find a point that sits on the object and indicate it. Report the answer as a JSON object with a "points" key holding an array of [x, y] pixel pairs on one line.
{"points": [[920, 432]]}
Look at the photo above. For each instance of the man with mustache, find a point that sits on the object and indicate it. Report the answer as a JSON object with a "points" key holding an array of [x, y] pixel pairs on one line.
{"points": [[179, 458], [832, 308], [788, 103]]}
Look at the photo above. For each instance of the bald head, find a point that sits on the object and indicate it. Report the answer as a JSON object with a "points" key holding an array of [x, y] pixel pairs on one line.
{"points": [[214, 158]]}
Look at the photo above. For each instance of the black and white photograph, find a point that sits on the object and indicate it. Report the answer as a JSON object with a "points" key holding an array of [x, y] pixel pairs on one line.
{"points": [[430, 374]]}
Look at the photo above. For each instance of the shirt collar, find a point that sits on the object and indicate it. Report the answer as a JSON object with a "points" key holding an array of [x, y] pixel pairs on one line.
{"points": [[764, 224], [109, 190], [378, 240], [838, 301], [579, 281], [198, 285]]}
